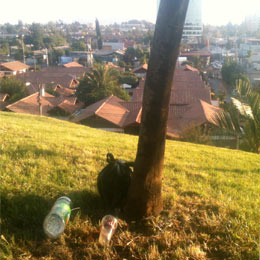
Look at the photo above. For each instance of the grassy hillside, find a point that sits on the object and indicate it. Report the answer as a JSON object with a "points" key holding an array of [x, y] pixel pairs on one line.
{"points": [[211, 196]]}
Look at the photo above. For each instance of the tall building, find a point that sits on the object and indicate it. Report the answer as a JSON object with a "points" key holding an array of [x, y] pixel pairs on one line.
{"points": [[252, 23], [193, 24]]}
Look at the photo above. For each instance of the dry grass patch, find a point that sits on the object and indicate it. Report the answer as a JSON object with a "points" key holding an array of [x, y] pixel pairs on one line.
{"points": [[188, 228]]}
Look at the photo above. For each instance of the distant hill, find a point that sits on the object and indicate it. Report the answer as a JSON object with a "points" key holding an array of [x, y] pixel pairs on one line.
{"points": [[211, 196]]}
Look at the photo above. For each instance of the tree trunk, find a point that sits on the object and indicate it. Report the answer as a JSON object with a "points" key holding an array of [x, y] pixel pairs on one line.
{"points": [[144, 197]]}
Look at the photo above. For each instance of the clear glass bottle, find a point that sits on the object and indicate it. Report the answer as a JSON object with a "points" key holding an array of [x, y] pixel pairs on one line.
{"points": [[108, 226], [55, 221]]}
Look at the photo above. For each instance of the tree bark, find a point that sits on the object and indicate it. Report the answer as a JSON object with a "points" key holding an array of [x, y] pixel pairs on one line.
{"points": [[144, 197]]}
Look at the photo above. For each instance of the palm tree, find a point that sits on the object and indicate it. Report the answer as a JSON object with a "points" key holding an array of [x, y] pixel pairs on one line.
{"points": [[101, 77], [99, 83], [242, 118]]}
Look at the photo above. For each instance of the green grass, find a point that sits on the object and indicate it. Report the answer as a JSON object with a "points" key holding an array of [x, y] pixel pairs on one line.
{"points": [[211, 196]]}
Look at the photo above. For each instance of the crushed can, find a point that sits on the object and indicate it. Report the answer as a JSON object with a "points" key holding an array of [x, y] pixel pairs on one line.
{"points": [[55, 222], [108, 226]]}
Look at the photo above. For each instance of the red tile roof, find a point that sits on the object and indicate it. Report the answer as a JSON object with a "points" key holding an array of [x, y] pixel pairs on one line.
{"points": [[64, 91], [73, 65], [66, 77], [187, 87], [188, 96], [203, 53], [135, 112], [189, 105], [144, 67], [14, 66], [30, 105], [109, 109], [70, 107], [188, 67], [198, 113]]}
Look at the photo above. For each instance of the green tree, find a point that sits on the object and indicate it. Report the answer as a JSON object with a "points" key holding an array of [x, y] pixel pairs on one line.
{"points": [[55, 55], [242, 118], [231, 72], [128, 78], [15, 88], [78, 45], [4, 48], [131, 54], [54, 40], [10, 28], [101, 82], [37, 36], [99, 37]]}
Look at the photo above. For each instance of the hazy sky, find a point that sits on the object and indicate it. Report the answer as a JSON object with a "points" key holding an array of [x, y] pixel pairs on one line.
{"points": [[215, 12]]}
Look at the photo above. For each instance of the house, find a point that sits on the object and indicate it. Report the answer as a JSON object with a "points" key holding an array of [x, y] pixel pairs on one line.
{"points": [[204, 55], [106, 114], [13, 68], [62, 105], [114, 46], [252, 45], [130, 44], [62, 91], [87, 56], [141, 70], [108, 55], [30, 104], [190, 105], [53, 76], [73, 65], [111, 65]]}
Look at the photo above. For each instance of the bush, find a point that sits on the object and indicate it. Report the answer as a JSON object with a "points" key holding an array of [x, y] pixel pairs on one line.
{"points": [[196, 134], [15, 88]]}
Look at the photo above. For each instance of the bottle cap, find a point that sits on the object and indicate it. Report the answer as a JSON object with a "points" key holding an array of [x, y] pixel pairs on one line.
{"points": [[67, 199]]}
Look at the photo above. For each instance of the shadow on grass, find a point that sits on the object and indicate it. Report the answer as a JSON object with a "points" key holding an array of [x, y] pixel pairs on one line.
{"points": [[229, 170], [90, 205], [22, 150], [190, 194], [22, 215]]}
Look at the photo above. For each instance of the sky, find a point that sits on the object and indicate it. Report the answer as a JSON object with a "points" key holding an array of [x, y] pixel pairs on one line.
{"points": [[215, 12]]}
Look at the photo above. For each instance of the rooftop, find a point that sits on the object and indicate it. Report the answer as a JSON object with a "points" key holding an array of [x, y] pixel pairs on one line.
{"points": [[14, 66]]}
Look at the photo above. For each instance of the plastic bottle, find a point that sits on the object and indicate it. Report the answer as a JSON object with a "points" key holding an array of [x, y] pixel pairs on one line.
{"points": [[55, 221], [108, 227]]}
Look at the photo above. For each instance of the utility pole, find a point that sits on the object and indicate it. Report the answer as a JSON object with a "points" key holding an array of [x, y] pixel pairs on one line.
{"points": [[23, 49], [39, 99], [34, 62], [47, 58]]}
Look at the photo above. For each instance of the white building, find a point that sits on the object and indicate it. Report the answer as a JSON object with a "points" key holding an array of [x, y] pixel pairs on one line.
{"points": [[114, 46], [252, 23], [193, 24], [252, 45]]}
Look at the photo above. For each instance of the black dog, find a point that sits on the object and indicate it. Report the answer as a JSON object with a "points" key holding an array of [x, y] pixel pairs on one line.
{"points": [[113, 182]]}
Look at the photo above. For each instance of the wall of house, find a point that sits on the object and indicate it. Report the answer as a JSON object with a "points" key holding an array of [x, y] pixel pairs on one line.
{"points": [[98, 122], [133, 129]]}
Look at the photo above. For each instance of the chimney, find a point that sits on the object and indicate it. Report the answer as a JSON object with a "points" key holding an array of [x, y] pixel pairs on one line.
{"points": [[42, 89]]}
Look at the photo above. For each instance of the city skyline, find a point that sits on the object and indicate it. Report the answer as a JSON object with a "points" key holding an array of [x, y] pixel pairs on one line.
{"points": [[108, 12]]}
